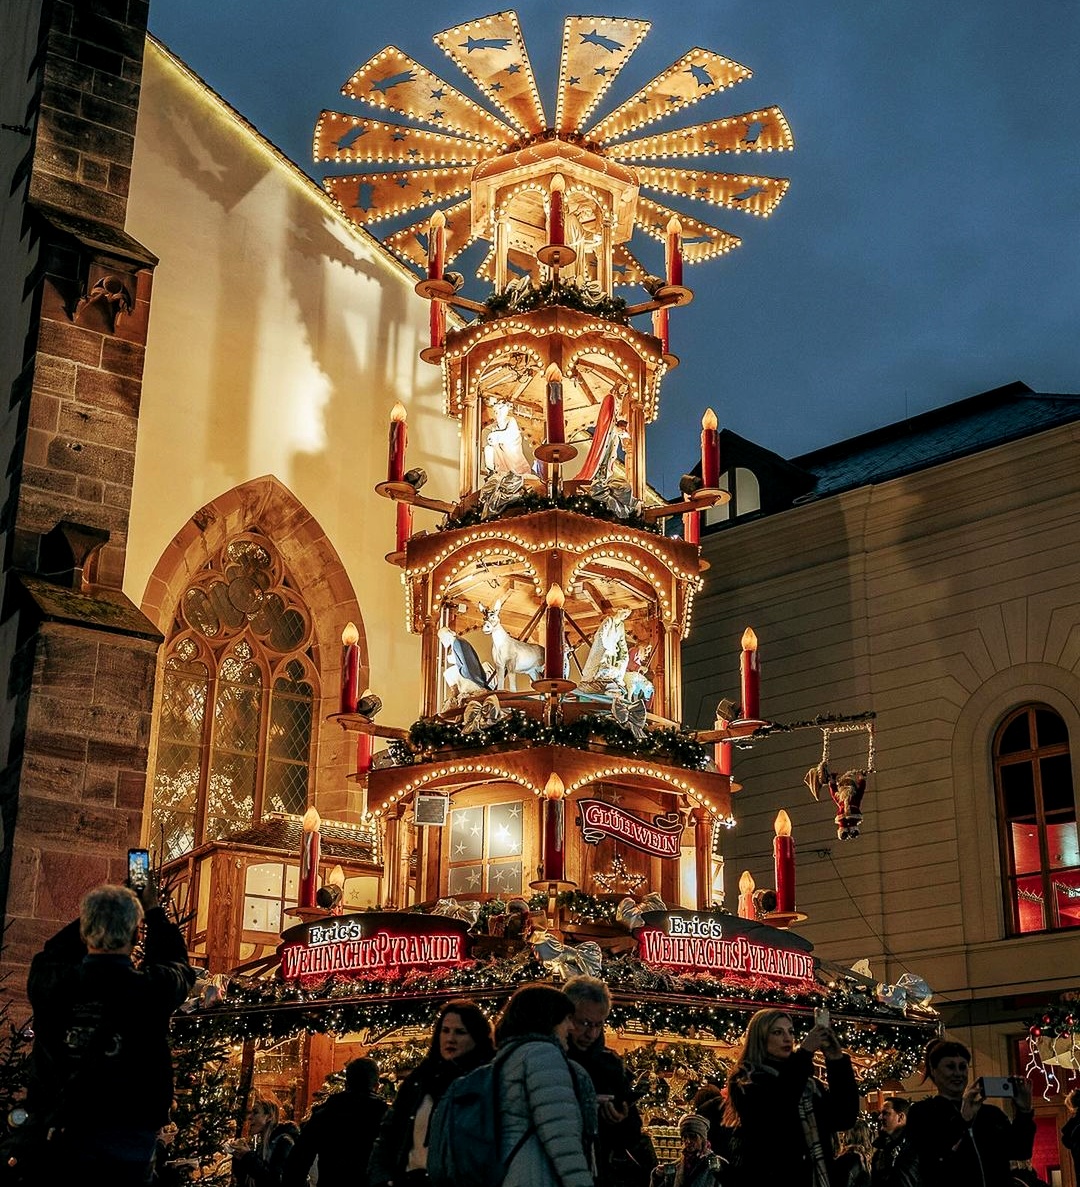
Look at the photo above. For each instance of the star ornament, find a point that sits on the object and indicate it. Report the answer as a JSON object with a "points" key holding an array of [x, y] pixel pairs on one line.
{"points": [[490, 51]]}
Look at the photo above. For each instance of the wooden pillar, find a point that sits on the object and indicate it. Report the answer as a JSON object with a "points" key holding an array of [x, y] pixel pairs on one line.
{"points": [[673, 671], [703, 856]]}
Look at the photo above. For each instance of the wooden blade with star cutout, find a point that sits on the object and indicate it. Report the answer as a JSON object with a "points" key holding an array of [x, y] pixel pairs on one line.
{"points": [[410, 243], [626, 268], [735, 191], [340, 137], [371, 197], [391, 80], [594, 51], [699, 240], [752, 131], [698, 73], [491, 51]]}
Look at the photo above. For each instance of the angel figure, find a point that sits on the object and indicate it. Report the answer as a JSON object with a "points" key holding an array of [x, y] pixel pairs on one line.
{"points": [[605, 666], [503, 453]]}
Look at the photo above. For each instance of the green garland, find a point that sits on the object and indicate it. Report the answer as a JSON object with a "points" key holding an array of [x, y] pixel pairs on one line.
{"points": [[668, 744], [529, 501], [551, 292]]}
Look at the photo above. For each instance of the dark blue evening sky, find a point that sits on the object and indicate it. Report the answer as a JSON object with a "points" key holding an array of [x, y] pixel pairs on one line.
{"points": [[929, 246]]}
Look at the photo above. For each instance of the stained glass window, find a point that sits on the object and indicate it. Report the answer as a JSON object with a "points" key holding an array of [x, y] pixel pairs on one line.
{"points": [[485, 847], [1037, 821], [237, 701]]}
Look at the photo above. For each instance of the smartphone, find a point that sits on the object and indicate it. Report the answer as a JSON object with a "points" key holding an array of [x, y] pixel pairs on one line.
{"points": [[997, 1086], [822, 1017], [138, 874]]}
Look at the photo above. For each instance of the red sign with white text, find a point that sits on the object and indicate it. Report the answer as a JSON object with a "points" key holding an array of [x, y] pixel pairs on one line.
{"points": [[698, 942], [372, 943], [660, 839]]}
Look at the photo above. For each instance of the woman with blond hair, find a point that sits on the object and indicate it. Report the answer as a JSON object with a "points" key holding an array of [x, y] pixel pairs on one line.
{"points": [[782, 1117]]}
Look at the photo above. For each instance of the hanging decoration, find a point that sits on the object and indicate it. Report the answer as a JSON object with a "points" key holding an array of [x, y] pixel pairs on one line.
{"points": [[846, 790]]}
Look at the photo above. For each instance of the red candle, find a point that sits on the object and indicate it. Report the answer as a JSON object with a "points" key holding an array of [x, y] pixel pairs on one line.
{"points": [[437, 324], [363, 753], [556, 230], [556, 422], [710, 451], [660, 328], [746, 895], [350, 668], [553, 633], [399, 438], [722, 755], [309, 858], [751, 677], [691, 531], [404, 526], [436, 246], [673, 251], [554, 809], [784, 863]]}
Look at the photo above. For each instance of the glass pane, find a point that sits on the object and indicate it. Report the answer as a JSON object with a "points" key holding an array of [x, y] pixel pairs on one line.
{"points": [[504, 829], [236, 712], [1029, 904], [1017, 736], [290, 724], [464, 880], [262, 914], [1025, 846], [1050, 729], [231, 794], [264, 879], [505, 878], [1066, 889], [1061, 845], [1018, 786], [292, 884], [172, 833], [286, 787], [1057, 788], [466, 834], [183, 703]]}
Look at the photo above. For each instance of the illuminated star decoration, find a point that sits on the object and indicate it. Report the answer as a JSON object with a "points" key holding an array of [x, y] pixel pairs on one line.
{"points": [[492, 54], [618, 877]]}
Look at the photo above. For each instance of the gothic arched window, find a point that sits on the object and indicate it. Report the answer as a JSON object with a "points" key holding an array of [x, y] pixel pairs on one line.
{"points": [[238, 697], [1037, 821]]}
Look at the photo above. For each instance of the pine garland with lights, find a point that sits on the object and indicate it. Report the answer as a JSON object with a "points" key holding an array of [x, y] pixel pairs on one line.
{"points": [[529, 502], [206, 1107], [1060, 1020], [556, 292], [668, 744]]}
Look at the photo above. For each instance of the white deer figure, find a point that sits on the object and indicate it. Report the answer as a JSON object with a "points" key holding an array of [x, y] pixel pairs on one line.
{"points": [[510, 655]]}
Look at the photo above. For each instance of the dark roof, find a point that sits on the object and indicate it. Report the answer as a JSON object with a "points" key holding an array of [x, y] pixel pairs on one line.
{"points": [[968, 426], [282, 834]]}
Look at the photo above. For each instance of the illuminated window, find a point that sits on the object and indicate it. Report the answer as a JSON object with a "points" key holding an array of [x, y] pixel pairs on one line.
{"points": [[485, 849], [269, 888], [237, 701], [1037, 821]]}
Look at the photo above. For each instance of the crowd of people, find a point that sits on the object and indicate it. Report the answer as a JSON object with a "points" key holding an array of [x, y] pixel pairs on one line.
{"points": [[562, 1108]]}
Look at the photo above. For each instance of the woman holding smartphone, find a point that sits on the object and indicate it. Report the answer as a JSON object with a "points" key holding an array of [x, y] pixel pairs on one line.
{"points": [[958, 1137], [782, 1117]]}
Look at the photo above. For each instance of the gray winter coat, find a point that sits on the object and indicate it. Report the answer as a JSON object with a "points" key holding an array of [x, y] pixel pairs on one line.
{"points": [[542, 1089]]}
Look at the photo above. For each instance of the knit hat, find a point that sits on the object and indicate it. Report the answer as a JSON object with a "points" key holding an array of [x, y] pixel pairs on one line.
{"points": [[695, 1124]]}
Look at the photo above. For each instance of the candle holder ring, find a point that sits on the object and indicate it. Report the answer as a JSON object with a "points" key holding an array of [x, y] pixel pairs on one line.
{"points": [[434, 290], [744, 727], [400, 492], [432, 354], [783, 919], [553, 688], [396, 558], [709, 496], [671, 361], [673, 294], [556, 255], [555, 452]]}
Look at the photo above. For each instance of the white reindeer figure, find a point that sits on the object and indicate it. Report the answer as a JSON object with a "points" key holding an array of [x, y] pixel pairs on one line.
{"points": [[510, 655]]}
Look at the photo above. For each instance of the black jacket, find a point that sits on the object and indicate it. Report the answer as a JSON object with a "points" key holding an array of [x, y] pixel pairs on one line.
{"points": [[340, 1133], [252, 1170], [101, 1029], [953, 1153], [390, 1154], [624, 1155], [768, 1145], [1070, 1139], [894, 1163]]}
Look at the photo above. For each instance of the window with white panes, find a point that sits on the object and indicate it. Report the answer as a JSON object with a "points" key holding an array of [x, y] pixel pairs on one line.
{"points": [[485, 849]]}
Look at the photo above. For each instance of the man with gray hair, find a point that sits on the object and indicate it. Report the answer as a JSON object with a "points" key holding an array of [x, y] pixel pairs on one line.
{"points": [[624, 1155], [101, 1071]]}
